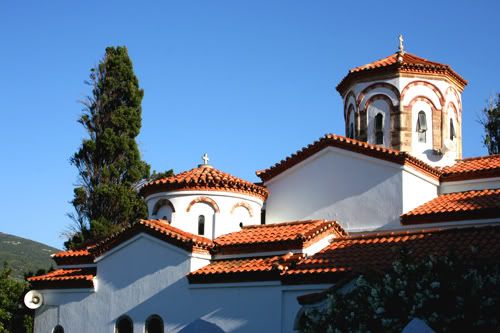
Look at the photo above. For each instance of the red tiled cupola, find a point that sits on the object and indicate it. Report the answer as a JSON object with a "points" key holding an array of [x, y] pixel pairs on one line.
{"points": [[400, 63], [204, 178]]}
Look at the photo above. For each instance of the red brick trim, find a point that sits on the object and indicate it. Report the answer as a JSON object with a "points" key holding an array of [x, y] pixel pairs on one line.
{"points": [[365, 91], [346, 101], [244, 205], [206, 200], [436, 90]]}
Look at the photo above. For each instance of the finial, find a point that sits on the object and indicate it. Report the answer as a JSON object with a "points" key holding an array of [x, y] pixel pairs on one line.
{"points": [[205, 159], [401, 46]]}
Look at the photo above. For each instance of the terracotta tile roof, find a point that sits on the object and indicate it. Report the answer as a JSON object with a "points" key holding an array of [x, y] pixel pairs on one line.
{"points": [[361, 147], [241, 270], [469, 205], [276, 236], [65, 278], [473, 168], [352, 255], [410, 63], [378, 251], [204, 177], [159, 229], [73, 257]]}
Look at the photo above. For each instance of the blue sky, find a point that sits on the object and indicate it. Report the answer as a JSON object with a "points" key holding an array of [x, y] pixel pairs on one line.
{"points": [[249, 82]]}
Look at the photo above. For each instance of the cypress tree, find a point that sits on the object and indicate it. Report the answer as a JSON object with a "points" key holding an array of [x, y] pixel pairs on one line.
{"points": [[108, 161]]}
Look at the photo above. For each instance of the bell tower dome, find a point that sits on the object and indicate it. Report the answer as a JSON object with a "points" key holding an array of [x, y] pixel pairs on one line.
{"points": [[407, 103]]}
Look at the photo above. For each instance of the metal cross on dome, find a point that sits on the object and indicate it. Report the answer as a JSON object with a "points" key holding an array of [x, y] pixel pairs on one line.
{"points": [[205, 159]]}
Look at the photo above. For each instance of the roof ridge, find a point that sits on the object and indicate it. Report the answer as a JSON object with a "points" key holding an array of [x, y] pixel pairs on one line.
{"points": [[416, 231], [256, 226]]}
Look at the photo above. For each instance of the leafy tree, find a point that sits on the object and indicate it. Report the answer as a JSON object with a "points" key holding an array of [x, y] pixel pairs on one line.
{"points": [[108, 161], [490, 119], [159, 175], [444, 292], [14, 317]]}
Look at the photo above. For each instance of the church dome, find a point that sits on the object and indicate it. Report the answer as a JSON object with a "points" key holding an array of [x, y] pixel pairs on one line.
{"points": [[204, 177]]}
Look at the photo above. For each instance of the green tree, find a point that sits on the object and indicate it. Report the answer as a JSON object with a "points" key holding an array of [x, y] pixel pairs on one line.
{"points": [[14, 317], [490, 119], [108, 161], [443, 291]]}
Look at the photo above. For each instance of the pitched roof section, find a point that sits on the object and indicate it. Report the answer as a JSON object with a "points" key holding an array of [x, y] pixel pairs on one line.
{"points": [[73, 257], [473, 168], [276, 237], [457, 206], [159, 229], [361, 147], [389, 65], [203, 178], [378, 251], [243, 270], [65, 278]]}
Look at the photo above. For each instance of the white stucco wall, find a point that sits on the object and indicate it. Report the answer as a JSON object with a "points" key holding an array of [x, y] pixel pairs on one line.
{"points": [[417, 189], [147, 276], [469, 185], [360, 192], [227, 220]]}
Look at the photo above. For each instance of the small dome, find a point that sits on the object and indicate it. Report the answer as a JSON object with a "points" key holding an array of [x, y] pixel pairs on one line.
{"points": [[204, 177]]}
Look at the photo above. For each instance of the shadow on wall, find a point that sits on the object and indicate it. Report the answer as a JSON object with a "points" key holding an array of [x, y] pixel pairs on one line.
{"points": [[201, 326], [432, 155]]}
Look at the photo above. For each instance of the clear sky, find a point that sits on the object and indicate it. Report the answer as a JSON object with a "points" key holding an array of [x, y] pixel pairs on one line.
{"points": [[248, 82]]}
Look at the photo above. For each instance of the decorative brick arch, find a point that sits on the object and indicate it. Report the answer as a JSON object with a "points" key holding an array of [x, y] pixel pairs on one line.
{"points": [[457, 96], [455, 109], [346, 102], [371, 87], [436, 90], [244, 205], [207, 200], [363, 116], [163, 202], [436, 119]]}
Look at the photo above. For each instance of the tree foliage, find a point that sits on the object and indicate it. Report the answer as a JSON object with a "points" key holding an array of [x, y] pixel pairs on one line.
{"points": [[14, 318], [444, 292], [108, 161], [490, 119]]}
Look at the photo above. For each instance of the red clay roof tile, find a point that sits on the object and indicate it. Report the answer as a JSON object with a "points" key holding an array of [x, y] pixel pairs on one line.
{"points": [[366, 252], [206, 178], [276, 236], [469, 205], [65, 278], [389, 65], [338, 141], [473, 168], [73, 257]]}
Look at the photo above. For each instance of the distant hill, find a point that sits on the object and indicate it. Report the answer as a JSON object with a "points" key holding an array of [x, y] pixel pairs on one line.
{"points": [[24, 255]]}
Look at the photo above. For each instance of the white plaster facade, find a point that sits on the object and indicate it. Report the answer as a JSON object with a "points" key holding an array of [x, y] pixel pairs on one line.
{"points": [[145, 276], [225, 216]]}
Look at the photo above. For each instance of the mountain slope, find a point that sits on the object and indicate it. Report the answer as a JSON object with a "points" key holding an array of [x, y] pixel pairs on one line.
{"points": [[24, 255]]}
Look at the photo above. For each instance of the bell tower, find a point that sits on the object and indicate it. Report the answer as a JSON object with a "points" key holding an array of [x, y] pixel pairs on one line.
{"points": [[407, 103]]}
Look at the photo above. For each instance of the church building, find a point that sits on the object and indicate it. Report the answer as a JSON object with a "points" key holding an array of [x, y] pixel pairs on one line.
{"points": [[222, 254]]}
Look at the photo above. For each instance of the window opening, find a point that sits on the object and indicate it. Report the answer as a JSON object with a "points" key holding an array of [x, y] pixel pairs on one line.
{"points": [[58, 329], [421, 127], [379, 133], [154, 324], [124, 325], [201, 225], [453, 135]]}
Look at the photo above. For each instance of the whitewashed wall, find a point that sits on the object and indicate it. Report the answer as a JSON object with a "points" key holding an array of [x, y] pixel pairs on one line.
{"points": [[227, 220], [360, 192], [417, 189], [147, 276], [469, 185]]}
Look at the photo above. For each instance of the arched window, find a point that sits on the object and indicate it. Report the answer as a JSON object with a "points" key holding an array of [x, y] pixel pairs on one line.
{"points": [[154, 324], [124, 325], [351, 131], [379, 132], [58, 329], [422, 127], [453, 135], [201, 225]]}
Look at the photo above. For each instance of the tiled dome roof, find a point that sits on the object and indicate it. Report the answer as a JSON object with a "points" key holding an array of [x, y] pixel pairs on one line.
{"points": [[204, 177]]}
